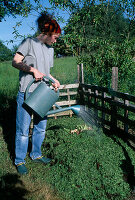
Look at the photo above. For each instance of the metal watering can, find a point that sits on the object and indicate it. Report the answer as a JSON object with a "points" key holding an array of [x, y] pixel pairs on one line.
{"points": [[43, 98]]}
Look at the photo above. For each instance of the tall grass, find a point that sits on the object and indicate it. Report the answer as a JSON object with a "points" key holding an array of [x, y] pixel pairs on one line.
{"points": [[65, 70], [8, 79]]}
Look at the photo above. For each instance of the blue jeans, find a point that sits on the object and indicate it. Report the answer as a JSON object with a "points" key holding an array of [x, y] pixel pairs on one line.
{"points": [[23, 119]]}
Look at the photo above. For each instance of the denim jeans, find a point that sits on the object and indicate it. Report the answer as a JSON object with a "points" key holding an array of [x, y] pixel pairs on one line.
{"points": [[23, 119]]}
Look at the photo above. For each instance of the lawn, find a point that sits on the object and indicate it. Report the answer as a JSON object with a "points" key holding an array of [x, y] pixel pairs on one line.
{"points": [[86, 164]]}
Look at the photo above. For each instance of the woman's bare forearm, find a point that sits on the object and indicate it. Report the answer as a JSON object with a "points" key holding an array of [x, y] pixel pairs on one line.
{"points": [[18, 63], [22, 66]]}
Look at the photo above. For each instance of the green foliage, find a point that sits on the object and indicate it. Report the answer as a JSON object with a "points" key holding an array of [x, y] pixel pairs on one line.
{"points": [[102, 56], [5, 53], [92, 19], [61, 48], [86, 166], [14, 7], [104, 21]]}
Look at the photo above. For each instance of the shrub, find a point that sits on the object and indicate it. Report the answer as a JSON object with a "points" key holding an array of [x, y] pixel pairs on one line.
{"points": [[102, 56]]}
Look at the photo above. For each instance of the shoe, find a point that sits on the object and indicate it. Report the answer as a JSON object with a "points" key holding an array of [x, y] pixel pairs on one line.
{"points": [[42, 160], [21, 169]]}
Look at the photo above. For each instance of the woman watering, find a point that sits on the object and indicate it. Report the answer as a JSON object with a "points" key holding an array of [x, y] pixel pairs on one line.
{"points": [[34, 58]]}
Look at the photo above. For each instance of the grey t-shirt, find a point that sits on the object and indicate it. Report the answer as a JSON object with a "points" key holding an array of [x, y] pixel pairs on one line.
{"points": [[37, 55]]}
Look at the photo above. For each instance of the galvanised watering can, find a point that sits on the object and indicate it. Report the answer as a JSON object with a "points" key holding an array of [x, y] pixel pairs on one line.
{"points": [[43, 98]]}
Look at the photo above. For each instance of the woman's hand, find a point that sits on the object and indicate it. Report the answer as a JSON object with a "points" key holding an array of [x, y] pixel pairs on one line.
{"points": [[37, 74], [56, 85]]}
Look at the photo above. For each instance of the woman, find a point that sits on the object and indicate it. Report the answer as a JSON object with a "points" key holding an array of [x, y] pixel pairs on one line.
{"points": [[34, 58]]}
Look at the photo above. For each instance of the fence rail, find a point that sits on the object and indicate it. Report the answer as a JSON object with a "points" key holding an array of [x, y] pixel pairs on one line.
{"points": [[115, 110]]}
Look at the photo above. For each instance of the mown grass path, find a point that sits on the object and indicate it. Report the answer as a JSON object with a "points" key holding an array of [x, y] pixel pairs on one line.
{"points": [[31, 186]]}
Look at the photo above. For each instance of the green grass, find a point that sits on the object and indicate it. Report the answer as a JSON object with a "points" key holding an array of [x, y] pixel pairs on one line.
{"points": [[31, 187], [86, 166], [8, 79], [65, 70]]}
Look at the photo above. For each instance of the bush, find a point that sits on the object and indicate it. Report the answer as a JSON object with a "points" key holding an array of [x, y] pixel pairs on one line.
{"points": [[102, 56], [86, 165]]}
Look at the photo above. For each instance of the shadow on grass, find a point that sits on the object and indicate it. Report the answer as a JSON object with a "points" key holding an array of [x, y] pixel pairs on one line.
{"points": [[11, 187], [8, 122], [54, 128], [126, 165]]}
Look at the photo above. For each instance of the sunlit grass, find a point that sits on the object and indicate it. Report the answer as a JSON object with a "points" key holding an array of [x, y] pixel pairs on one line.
{"points": [[65, 70]]}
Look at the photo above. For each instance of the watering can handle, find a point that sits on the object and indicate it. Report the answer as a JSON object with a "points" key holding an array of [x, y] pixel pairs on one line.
{"points": [[33, 80]]}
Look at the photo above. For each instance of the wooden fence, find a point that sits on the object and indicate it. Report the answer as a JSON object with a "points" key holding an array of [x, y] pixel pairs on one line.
{"points": [[114, 110], [67, 97]]}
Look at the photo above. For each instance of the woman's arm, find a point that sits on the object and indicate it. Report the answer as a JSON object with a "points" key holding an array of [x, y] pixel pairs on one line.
{"points": [[18, 63], [56, 85]]}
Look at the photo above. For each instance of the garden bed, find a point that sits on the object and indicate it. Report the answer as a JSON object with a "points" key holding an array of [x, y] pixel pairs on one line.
{"points": [[87, 164]]}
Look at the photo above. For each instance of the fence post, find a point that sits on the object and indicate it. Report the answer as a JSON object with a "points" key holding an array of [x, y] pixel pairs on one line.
{"points": [[103, 107], [69, 100], [54, 108], [113, 107], [82, 75], [95, 106], [78, 72], [126, 102], [115, 78]]}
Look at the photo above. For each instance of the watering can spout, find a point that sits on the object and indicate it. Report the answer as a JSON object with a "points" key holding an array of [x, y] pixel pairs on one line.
{"points": [[75, 109]]}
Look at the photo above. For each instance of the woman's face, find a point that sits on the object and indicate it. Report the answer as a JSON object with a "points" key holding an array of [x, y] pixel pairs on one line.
{"points": [[51, 39]]}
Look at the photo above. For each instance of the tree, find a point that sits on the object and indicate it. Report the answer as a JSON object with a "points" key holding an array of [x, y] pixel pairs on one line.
{"points": [[61, 48], [106, 11], [14, 7], [91, 19], [97, 21]]}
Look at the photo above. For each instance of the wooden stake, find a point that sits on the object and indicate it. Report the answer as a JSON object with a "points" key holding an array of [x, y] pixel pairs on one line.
{"points": [[78, 72], [82, 73], [115, 78]]}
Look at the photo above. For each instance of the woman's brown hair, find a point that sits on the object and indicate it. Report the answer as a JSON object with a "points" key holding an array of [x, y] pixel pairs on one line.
{"points": [[48, 25]]}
